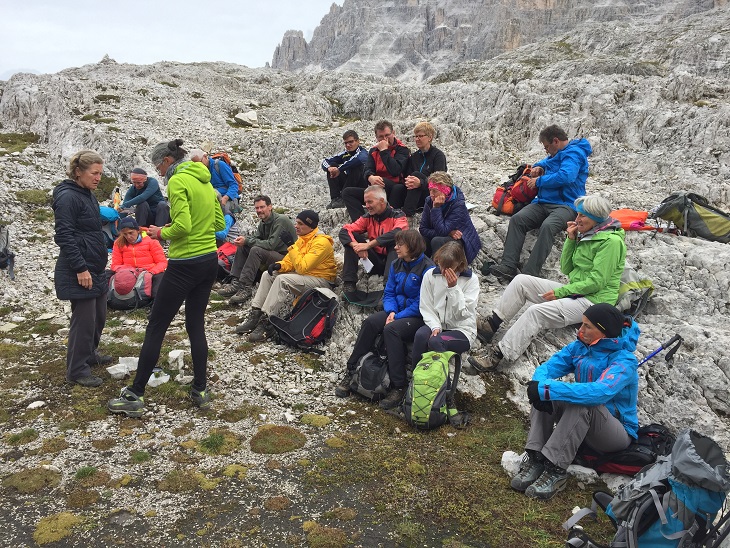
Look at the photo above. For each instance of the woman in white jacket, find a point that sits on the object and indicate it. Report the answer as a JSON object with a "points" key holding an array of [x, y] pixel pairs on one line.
{"points": [[449, 296]]}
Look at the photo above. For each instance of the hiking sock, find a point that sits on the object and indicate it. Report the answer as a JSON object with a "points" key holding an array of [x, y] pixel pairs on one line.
{"points": [[537, 456], [494, 322]]}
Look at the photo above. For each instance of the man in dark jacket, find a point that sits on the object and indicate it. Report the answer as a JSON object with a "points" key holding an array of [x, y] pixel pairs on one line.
{"points": [[344, 170], [80, 275], [384, 168], [371, 238], [145, 196], [257, 251]]}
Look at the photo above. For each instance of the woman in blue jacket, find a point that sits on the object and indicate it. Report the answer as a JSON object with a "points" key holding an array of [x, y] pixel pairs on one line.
{"points": [[598, 409], [445, 217], [398, 321]]}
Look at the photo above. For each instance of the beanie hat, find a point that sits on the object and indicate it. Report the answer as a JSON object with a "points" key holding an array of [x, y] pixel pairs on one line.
{"points": [[128, 222], [139, 171], [124, 281], [607, 318], [309, 218]]}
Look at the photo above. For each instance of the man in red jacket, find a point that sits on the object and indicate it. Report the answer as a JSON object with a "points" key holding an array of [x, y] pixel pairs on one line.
{"points": [[384, 168], [371, 237]]}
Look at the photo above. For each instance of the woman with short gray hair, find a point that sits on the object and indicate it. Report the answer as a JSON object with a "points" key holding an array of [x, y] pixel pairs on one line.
{"points": [[593, 259]]}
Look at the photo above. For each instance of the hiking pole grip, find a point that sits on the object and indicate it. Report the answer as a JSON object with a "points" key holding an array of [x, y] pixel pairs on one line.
{"points": [[677, 341]]}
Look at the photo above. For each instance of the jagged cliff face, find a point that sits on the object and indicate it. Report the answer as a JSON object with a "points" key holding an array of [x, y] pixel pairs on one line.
{"points": [[415, 39]]}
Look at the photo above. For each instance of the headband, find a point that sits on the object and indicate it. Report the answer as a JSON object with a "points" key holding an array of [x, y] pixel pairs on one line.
{"points": [[580, 209], [443, 189]]}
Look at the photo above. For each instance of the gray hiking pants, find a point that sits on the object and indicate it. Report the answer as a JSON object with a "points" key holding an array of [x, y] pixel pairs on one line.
{"points": [[275, 291], [558, 436], [248, 261], [550, 219], [88, 317]]}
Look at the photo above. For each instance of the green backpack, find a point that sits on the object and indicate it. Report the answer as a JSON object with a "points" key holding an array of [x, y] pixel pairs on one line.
{"points": [[693, 216], [429, 401]]}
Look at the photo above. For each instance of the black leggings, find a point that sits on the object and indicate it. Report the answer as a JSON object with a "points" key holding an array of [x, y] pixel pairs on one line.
{"points": [[449, 340], [188, 280]]}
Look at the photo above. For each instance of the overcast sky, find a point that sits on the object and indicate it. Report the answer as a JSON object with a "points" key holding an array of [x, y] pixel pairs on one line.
{"points": [[51, 35]]}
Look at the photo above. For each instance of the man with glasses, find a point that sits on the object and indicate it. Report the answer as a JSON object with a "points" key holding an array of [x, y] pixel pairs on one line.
{"points": [[384, 168], [344, 170]]}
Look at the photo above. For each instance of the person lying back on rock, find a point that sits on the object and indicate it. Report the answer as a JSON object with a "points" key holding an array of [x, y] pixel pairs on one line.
{"points": [[371, 237], [560, 179], [598, 409], [309, 263], [384, 168], [593, 258], [258, 250], [344, 170], [145, 196]]}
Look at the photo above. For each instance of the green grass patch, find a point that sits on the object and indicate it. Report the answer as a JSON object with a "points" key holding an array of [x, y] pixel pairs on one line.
{"points": [[10, 351], [196, 95], [32, 480], [106, 98], [244, 411], [21, 438], [170, 84], [106, 186], [97, 118], [85, 472], [310, 127], [56, 527], [42, 214], [220, 441], [138, 457], [45, 328], [271, 439], [17, 142], [34, 197]]}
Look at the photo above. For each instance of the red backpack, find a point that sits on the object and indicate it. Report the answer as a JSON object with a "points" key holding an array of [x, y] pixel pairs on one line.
{"points": [[514, 194], [311, 320], [130, 288]]}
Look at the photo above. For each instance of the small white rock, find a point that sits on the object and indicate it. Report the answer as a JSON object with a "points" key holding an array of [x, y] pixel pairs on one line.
{"points": [[289, 417], [36, 404], [262, 417]]}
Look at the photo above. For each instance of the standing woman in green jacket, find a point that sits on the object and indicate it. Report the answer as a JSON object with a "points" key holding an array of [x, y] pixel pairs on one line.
{"points": [[593, 259], [191, 272]]}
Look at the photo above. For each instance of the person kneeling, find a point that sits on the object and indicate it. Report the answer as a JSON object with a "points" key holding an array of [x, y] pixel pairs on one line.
{"points": [[598, 409], [398, 321]]}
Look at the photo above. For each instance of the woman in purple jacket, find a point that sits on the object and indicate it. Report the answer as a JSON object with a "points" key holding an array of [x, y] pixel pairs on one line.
{"points": [[445, 217]]}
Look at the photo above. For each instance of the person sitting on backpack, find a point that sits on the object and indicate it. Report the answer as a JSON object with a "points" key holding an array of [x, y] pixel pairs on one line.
{"points": [[593, 258], [344, 170], [258, 250], [309, 263], [371, 237], [560, 179], [145, 196], [446, 219], [222, 179], [449, 296], [399, 319], [421, 164], [133, 250], [598, 409]]}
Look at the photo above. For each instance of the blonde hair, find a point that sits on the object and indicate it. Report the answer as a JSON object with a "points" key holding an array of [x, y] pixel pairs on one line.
{"points": [[82, 160], [441, 178], [426, 128]]}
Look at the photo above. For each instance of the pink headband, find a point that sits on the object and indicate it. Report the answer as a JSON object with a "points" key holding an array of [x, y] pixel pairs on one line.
{"points": [[443, 189]]}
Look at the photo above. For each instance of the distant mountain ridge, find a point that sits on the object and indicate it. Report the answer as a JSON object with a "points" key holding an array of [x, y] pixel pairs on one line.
{"points": [[415, 39]]}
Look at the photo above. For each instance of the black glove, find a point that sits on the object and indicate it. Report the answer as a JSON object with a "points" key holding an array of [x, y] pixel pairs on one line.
{"points": [[273, 267], [534, 397], [286, 237]]}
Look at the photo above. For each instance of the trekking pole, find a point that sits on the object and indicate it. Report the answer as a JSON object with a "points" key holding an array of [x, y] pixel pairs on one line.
{"points": [[675, 341]]}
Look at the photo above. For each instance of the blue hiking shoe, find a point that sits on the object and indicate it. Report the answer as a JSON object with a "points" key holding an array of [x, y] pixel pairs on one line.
{"points": [[201, 398], [127, 403]]}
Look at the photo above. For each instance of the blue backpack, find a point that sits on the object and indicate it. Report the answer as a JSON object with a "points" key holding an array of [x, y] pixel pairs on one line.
{"points": [[669, 504], [109, 221]]}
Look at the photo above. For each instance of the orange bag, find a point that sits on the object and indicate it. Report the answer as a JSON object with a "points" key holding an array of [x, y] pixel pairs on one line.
{"points": [[514, 194], [632, 219]]}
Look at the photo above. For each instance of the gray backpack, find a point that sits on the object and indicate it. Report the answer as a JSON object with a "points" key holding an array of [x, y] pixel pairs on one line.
{"points": [[371, 378]]}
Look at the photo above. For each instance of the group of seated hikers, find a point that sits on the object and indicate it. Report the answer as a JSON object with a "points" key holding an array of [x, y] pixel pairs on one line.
{"points": [[430, 292]]}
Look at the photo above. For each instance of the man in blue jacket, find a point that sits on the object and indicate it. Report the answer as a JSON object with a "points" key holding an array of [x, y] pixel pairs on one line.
{"points": [[222, 179], [145, 196], [344, 170], [560, 179], [598, 409]]}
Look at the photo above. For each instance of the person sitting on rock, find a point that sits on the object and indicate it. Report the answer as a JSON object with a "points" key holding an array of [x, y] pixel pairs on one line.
{"points": [[145, 196], [384, 168], [309, 263], [560, 179], [371, 237], [344, 170], [598, 409], [449, 295], [133, 250], [222, 179], [257, 251], [593, 258], [229, 233], [446, 219], [426, 160], [399, 319]]}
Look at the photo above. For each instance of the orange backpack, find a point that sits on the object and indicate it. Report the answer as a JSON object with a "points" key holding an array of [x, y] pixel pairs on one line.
{"points": [[216, 157], [514, 194]]}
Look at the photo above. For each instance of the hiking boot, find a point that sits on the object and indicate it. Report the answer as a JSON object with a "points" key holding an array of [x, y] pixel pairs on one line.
{"points": [[241, 296], [485, 333], [99, 359], [504, 273], [531, 469], [201, 398], [342, 390], [349, 287], [250, 324], [336, 203], [228, 290], [264, 330], [393, 399], [89, 381], [487, 363], [552, 480], [128, 403]]}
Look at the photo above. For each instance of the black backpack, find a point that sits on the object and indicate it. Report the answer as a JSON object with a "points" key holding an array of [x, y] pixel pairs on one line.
{"points": [[7, 257], [311, 320], [370, 378]]}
